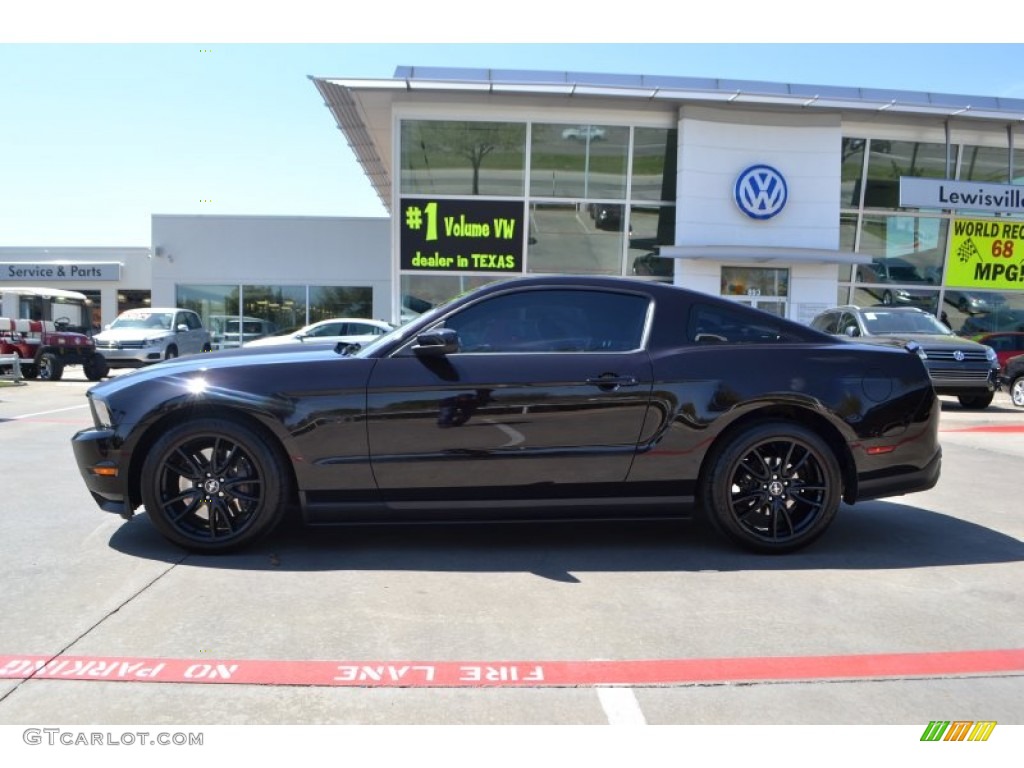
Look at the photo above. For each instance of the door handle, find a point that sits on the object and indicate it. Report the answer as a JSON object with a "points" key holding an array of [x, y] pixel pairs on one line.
{"points": [[609, 382]]}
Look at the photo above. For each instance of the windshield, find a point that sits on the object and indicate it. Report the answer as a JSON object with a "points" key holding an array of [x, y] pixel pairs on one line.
{"points": [[143, 319], [882, 321]]}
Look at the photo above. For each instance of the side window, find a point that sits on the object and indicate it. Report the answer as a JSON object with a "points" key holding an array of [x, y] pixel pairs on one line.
{"points": [[553, 321], [331, 329], [847, 323], [826, 323], [712, 324], [193, 321]]}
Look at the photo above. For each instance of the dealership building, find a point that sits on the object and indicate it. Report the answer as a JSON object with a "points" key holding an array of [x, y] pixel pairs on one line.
{"points": [[792, 198]]}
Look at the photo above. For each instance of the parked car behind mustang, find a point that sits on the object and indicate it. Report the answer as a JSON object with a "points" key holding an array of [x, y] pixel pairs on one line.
{"points": [[142, 336], [1013, 379], [958, 366], [344, 330], [533, 399]]}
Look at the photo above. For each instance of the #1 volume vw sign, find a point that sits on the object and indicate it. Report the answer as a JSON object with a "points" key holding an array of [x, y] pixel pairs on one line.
{"points": [[761, 192]]}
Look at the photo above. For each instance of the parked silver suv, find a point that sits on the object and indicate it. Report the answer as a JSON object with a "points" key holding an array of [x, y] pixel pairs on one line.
{"points": [[957, 366], [142, 336]]}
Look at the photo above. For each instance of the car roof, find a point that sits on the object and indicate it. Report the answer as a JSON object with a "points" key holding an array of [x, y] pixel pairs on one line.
{"points": [[882, 308]]}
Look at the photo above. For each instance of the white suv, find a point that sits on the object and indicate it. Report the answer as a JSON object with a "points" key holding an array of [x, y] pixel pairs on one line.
{"points": [[142, 336]]}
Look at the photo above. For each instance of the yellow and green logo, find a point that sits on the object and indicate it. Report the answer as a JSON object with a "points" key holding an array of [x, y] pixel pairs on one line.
{"points": [[958, 730]]}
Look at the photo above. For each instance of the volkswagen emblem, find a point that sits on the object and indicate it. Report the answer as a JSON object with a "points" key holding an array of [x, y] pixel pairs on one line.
{"points": [[958, 356], [761, 192]]}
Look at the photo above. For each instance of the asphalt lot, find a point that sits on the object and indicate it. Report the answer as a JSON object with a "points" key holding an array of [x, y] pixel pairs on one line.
{"points": [[907, 611]]}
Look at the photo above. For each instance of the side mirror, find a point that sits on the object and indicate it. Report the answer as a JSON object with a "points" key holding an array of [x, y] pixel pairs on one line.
{"points": [[852, 330], [436, 343], [182, 328]]}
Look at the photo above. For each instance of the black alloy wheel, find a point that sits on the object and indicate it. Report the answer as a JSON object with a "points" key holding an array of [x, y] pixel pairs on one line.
{"points": [[772, 488], [214, 485]]}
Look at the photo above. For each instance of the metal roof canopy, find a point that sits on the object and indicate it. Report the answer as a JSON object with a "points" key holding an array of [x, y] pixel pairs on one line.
{"points": [[757, 254], [349, 113]]}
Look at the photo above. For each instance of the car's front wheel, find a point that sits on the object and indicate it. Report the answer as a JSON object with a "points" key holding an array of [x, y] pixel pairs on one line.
{"points": [[96, 367], [976, 402], [171, 353], [50, 367], [1017, 391], [772, 488], [214, 485]]}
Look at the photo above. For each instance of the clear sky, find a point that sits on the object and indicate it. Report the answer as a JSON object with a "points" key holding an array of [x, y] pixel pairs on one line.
{"points": [[97, 132]]}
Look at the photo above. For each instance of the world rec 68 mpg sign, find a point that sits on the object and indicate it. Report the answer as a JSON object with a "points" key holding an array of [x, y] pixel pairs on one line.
{"points": [[461, 235], [986, 253]]}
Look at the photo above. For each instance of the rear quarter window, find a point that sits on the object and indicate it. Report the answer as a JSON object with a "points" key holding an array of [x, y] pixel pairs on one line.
{"points": [[712, 324]]}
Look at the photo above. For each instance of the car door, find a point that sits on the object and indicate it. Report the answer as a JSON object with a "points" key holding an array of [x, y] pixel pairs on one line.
{"points": [[189, 341], [548, 390]]}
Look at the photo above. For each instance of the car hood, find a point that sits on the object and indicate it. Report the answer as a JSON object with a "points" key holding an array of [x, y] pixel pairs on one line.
{"points": [[925, 340], [196, 365], [276, 341], [132, 334]]}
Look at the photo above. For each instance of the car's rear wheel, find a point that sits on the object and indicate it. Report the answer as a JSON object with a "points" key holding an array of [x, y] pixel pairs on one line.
{"points": [[214, 485], [976, 402], [772, 488], [50, 367], [1017, 391]]}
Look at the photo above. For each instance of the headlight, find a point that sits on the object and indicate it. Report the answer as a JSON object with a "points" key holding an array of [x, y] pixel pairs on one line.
{"points": [[990, 355], [100, 413]]}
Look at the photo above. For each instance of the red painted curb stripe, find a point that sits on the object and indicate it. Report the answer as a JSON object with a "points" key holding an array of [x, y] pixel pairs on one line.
{"points": [[989, 428], [516, 674]]}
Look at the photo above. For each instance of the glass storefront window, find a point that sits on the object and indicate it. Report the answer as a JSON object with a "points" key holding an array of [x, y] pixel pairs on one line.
{"points": [[461, 157], [650, 228], [284, 306], [339, 301], [919, 240], [852, 172], [424, 292], [584, 161], [755, 281], [573, 238], [235, 314], [889, 160], [990, 165], [654, 164]]}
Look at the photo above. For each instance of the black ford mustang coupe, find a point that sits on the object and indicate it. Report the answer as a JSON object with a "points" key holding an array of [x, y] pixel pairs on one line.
{"points": [[532, 399]]}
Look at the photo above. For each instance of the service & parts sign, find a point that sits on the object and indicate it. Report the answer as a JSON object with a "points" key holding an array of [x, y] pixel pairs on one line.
{"points": [[461, 235], [986, 254]]}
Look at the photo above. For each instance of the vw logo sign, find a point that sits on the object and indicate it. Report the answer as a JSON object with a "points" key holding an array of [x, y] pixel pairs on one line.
{"points": [[761, 192], [958, 356]]}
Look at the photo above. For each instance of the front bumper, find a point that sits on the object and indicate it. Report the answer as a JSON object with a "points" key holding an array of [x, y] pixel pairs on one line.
{"points": [[103, 468], [131, 358]]}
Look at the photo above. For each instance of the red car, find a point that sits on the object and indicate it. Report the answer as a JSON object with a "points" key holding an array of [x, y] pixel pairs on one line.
{"points": [[1007, 344]]}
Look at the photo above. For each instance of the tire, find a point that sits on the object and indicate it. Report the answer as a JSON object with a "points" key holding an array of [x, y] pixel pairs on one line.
{"points": [[29, 371], [772, 488], [50, 367], [171, 352], [964, 307], [887, 299], [1017, 391], [214, 485], [976, 402], [96, 367]]}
